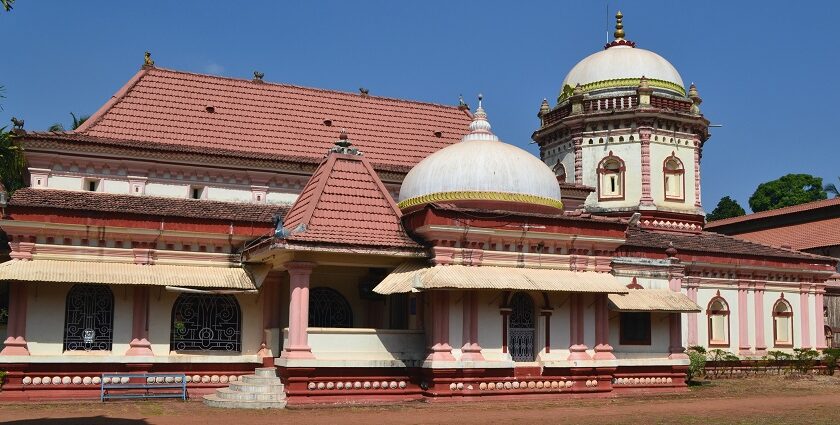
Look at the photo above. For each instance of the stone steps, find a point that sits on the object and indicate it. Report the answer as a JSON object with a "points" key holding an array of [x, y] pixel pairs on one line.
{"points": [[262, 390]]}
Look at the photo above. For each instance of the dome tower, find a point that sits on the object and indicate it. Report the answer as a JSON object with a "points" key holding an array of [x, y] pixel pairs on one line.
{"points": [[625, 125]]}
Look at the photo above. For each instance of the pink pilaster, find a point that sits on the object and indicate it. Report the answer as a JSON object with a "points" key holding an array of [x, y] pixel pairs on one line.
{"points": [[603, 349], [140, 345], [743, 325], [270, 301], [578, 141], [760, 344], [805, 317], [675, 335], [697, 173], [819, 315], [15, 344], [692, 317], [440, 349], [577, 348], [471, 350], [644, 136], [299, 273]]}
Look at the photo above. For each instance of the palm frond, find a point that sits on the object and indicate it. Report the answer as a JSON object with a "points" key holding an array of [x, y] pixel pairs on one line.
{"points": [[56, 127]]}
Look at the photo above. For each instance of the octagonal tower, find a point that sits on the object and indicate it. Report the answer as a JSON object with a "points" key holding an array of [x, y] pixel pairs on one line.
{"points": [[625, 126]]}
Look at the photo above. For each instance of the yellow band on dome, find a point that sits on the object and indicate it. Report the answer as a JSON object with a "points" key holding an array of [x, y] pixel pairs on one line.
{"points": [[622, 82], [480, 196]]}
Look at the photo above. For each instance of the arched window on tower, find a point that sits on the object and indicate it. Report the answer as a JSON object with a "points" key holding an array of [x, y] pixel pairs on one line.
{"points": [[674, 178], [559, 171], [718, 322], [329, 309], [204, 322], [782, 323], [611, 178], [89, 318]]}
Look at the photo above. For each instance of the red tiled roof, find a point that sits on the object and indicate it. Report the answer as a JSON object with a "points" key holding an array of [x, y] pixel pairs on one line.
{"points": [[809, 206], [146, 205], [345, 203], [813, 234], [160, 106], [711, 243]]}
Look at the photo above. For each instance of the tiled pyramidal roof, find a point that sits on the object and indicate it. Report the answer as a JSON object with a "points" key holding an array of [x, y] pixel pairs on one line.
{"points": [[346, 203], [209, 113]]}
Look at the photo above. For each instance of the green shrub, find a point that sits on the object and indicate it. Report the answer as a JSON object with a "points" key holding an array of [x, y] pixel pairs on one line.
{"points": [[697, 366], [778, 359], [830, 358], [804, 359]]}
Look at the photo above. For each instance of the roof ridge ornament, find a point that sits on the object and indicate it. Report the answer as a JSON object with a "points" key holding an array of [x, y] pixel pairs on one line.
{"points": [[480, 128], [147, 60], [619, 33], [344, 146]]}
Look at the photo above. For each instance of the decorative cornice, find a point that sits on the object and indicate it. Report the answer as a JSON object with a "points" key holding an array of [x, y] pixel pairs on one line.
{"points": [[624, 82], [480, 196]]}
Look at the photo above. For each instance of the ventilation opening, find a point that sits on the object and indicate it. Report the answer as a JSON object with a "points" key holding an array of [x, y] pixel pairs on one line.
{"points": [[92, 185], [196, 192]]}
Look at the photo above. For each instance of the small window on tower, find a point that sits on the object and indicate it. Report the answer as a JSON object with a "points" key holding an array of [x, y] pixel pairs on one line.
{"points": [[674, 179], [611, 181], [91, 185], [197, 192]]}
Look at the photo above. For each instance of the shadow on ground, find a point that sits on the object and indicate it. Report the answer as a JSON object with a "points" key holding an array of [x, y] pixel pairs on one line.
{"points": [[90, 420]]}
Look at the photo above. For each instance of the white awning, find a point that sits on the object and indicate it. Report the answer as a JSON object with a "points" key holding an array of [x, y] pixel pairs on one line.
{"points": [[57, 271], [653, 300], [415, 277]]}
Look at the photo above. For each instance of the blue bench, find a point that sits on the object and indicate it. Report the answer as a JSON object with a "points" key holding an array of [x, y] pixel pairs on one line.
{"points": [[143, 385]]}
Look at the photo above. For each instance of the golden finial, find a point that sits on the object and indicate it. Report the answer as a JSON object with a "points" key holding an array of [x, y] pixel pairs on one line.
{"points": [[619, 27]]}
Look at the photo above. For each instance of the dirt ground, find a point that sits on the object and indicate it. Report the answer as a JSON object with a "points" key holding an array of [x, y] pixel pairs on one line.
{"points": [[764, 400]]}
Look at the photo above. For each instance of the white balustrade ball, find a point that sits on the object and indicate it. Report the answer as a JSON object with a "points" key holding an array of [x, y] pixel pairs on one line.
{"points": [[331, 385], [311, 386], [205, 379], [339, 386], [491, 386], [453, 386], [366, 385], [196, 378], [393, 385], [460, 385], [555, 384], [36, 380], [169, 379], [26, 380], [87, 380], [532, 385], [233, 378], [66, 380], [348, 385], [357, 385], [56, 380], [321, 385], [539, 385], [124, 380], [179, 379], [214, 379], [569, 384], [223, 379], [482, 386], [375, 385], [515, 385], [384, 385], [96, 380], [77, 380], [149, 380]]}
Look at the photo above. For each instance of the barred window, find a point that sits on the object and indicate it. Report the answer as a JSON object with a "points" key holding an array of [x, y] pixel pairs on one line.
{"points": [[206, 322], [89, 318], [329, 309]]}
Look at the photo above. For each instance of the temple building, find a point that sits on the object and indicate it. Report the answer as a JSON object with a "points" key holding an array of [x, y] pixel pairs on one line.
{"points": [[365, 248]]}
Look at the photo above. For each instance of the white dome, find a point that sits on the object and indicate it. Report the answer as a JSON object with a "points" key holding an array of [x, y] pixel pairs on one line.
{"points": [[618, 62], [480, 167]]}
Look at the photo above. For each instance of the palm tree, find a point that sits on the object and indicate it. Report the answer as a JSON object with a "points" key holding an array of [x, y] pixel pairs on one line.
{"points": [[831, 188], [77, 122], [12, 163]]}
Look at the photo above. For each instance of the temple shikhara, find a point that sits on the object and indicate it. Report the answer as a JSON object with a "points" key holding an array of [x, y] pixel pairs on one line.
{"points": [[366, 248]]}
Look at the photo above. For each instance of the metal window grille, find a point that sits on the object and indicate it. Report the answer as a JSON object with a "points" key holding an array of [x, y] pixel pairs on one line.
{"points": [[89, 318], [329, 309], [206, 323], [521, 328]]}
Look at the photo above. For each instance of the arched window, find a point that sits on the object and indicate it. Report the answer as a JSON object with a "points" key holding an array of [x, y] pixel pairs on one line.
{"points": [[521, 328], [611, 178], [206, 322], [89, 318], [559, 171], [329, 309], [718, 323], [674, 178], [782, 323]]}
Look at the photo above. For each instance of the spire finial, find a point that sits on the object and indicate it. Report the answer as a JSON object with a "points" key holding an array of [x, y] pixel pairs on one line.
{"points": [[344, 146], [619, 27], [480, 97], [479, 127]]}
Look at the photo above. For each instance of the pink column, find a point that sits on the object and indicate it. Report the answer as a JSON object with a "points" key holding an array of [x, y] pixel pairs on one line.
{"points": [[675, 333], [577, 348], [603, 349], [140, 345], [578, 160], [697, 173], [298, 347], [820, 322], [270, 300], [692, 317], [805, 317], [760, 343], [743, 326], [15, 344], [644, 135], [440, 349], [471, 350]]}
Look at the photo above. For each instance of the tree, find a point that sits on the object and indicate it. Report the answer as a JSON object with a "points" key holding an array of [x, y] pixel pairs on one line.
{"points": [[831, 189], [12, 163], [77, 122], [7, 4], [726, 208], [792, 189]]}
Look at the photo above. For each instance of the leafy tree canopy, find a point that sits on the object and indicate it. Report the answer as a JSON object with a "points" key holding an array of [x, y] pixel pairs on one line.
{"points": [[7, 4], [12, 162], [792, 189], [726, 208]]}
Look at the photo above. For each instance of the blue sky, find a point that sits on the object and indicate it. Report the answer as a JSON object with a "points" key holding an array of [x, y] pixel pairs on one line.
{"points": [[767, 70]]}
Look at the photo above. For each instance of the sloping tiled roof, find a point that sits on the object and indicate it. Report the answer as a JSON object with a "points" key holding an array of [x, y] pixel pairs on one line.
{"points": [[345, 203], [146, 205], [813, 234], [711, 243], [160, 106], [809, 206]]}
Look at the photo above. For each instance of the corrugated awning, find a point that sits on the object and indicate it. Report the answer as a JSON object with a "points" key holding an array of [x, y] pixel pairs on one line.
{"points": [[57, 271], [414, 277], [653, 300]]}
